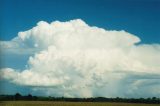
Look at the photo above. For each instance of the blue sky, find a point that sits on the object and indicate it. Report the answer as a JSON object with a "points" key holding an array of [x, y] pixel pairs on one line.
{"points": [[138, 17]]}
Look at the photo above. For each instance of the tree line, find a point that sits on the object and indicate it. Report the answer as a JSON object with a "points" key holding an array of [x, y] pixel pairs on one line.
{"points": [[29, 97]]}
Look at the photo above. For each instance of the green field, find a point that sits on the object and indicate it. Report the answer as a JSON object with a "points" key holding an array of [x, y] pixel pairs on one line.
{"points": [[45, 103]]}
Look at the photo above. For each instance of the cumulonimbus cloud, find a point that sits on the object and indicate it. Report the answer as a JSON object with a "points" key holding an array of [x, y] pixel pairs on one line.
{"points": [[74, 59]]}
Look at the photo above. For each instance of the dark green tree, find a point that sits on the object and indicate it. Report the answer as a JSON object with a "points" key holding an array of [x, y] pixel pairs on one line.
{"points": [[17, 96]]}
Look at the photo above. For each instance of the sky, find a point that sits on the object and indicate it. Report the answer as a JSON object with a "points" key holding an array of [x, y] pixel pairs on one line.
{"points": [[49, 46]]}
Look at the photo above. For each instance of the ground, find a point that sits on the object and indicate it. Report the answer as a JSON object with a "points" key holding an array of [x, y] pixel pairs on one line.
{"points": [[50, 103]]}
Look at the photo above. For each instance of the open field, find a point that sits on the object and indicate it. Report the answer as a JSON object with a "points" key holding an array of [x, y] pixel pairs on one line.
{"points": [[49, 103]]}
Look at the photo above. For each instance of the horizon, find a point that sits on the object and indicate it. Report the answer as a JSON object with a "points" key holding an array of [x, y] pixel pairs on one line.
{"points": [[17, 93]]}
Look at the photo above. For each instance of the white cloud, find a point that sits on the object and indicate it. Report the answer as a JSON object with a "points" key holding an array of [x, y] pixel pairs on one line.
{"points": [[74, 59]]}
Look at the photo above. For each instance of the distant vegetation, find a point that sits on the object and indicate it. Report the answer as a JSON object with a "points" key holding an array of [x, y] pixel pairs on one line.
{"points": [[29, 97]]}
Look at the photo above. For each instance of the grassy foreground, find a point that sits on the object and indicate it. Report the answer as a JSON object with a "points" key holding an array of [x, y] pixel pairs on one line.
{"points": [[47, 103]]}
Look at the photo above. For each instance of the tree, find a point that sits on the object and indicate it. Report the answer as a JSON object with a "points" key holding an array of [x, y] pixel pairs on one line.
{"points": [[17, 96], [29, 97]]}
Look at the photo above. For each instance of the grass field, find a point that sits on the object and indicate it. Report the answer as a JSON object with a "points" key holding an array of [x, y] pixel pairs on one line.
{"points": [[45, 103]]}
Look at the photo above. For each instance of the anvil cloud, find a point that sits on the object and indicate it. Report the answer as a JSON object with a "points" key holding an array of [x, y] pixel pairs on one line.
{"points": [[74, 59]]}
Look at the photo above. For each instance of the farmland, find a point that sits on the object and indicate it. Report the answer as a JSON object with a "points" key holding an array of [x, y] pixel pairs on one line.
{"points": [[50, 103]]}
